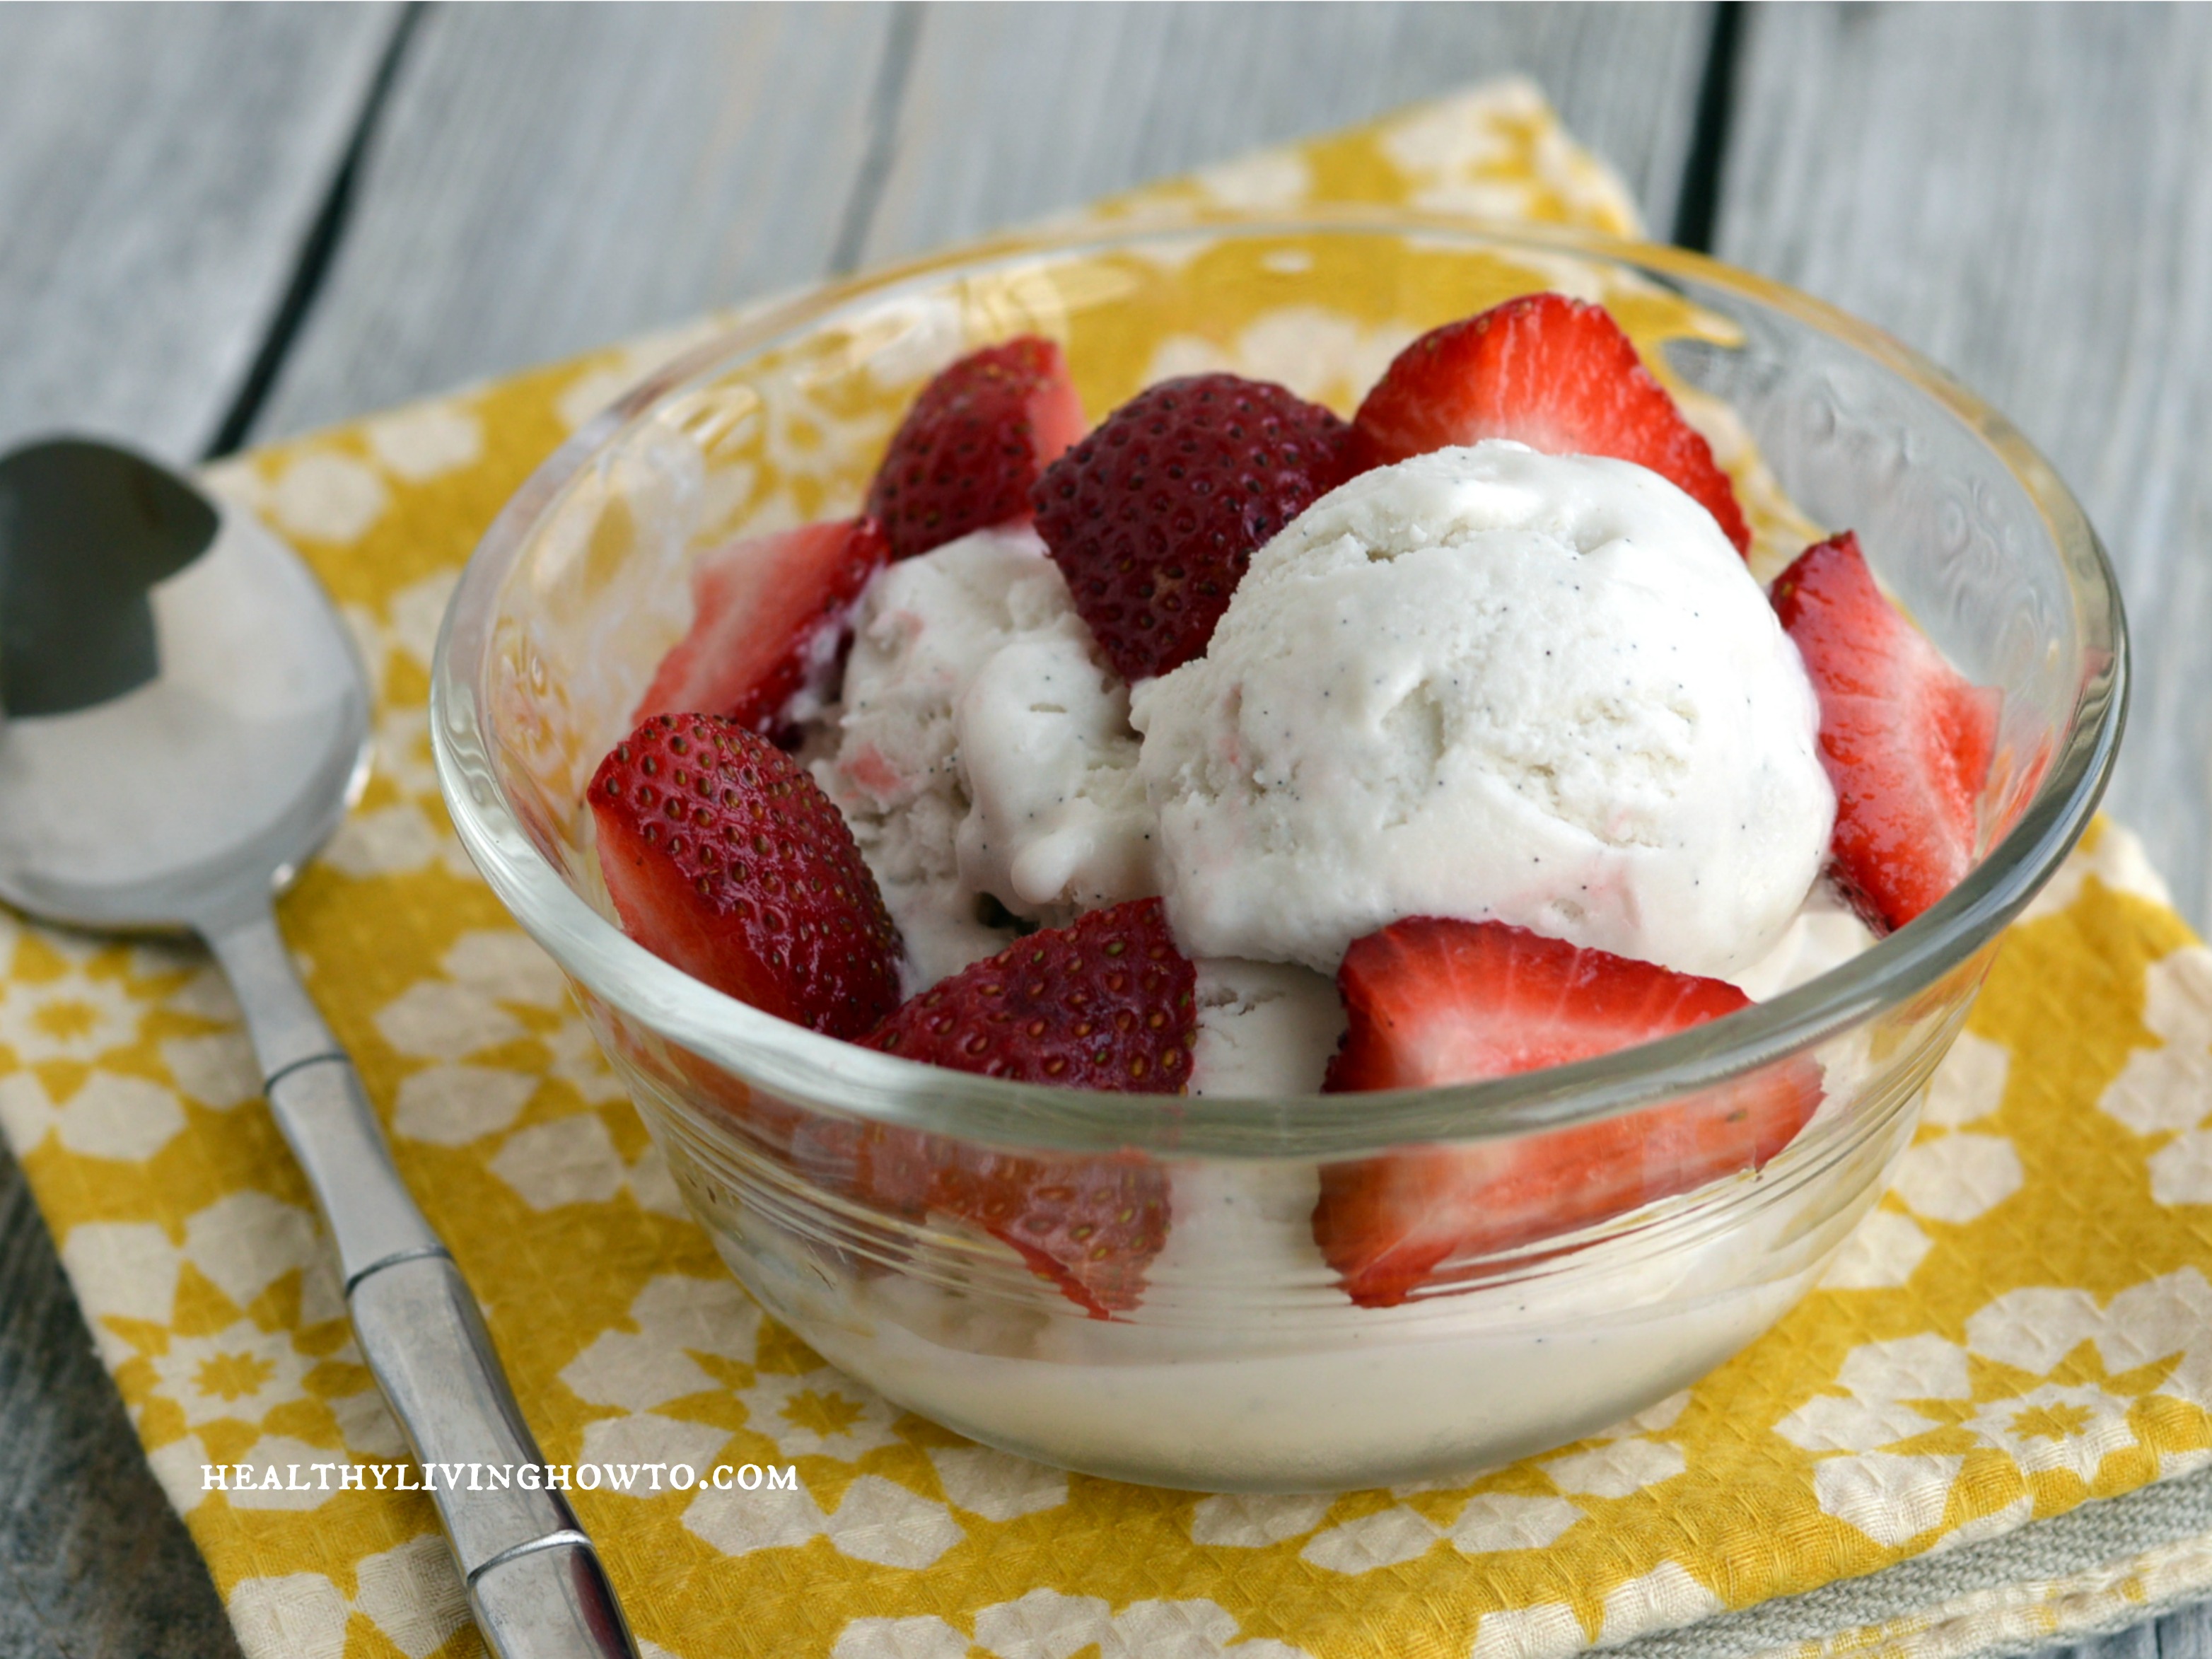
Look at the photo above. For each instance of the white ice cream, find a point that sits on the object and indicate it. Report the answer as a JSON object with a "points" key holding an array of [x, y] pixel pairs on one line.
{"points": [[1248, 1368], [1491, 683], [983, 748], [1825, 933], [984, 757], [1265, 1029]]}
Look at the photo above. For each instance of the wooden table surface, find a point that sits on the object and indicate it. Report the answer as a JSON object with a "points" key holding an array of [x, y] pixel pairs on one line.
{"points": [[226, 224]]}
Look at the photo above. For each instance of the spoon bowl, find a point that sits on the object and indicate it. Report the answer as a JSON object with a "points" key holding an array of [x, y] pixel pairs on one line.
{"points": [[203, 787]]}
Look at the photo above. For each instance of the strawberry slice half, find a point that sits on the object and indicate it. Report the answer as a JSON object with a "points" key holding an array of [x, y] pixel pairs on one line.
{"points": [[724, 858], [1549, 371], [1105, 1003], [1907, 740], [1153, 518], [973, 443], [768, 614], [1434, 1001]]}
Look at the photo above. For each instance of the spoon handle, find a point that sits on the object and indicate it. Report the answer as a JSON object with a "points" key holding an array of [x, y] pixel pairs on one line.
{"points": [[534, 1581]]}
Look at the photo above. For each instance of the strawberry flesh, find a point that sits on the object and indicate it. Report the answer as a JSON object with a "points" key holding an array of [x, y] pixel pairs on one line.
{"points": [[1105, 1003], [1906, 739], [1549, 371], [972, 445], [1433, 1001], [1153, 517], [724, 858], [767, 616]]}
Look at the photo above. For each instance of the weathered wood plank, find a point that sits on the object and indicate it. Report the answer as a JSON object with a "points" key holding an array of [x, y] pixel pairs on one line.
{"points": [[2021, 193], [545, 180], [2186, 1635], [1011, 113], [2141, 1642], [92, 1561], [159, 168]]}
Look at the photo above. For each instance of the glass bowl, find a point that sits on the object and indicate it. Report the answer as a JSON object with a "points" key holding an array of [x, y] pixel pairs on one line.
{"points": [[1240, 1363]]}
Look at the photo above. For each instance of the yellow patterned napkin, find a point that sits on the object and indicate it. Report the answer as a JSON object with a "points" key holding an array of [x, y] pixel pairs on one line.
{"points": [[2024, 1325]]}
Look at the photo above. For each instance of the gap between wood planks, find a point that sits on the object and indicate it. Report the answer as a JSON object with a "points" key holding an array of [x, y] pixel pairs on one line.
{"points": [[885, 105], [1697, 205], [317, 249]]}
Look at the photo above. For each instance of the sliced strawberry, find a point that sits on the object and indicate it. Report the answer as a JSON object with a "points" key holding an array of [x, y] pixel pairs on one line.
{"points": [[724, 858], [1433, 1001], [1107, 1003], [1549, 371], [767, 617], [1906, 738], [1154, 516], [971, 446]]}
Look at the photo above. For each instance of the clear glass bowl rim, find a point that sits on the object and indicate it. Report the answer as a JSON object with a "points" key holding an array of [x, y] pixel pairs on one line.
{"points": [[806, 1068]]}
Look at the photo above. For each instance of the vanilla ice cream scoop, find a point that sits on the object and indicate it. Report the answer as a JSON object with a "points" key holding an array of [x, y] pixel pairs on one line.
{"points": [[1491, 683]]}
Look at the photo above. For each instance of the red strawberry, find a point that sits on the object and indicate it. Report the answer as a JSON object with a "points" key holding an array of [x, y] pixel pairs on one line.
{"points": [[1906, 739], [1433, 1001], [971, 446], [767, 616], [1108, 1003], [1105, 1003], [1549, 371], [724, 858], [1154, 516]]}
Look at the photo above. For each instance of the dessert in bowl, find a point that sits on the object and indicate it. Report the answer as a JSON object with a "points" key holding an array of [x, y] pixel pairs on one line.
{"points": [[1242, 1281]]}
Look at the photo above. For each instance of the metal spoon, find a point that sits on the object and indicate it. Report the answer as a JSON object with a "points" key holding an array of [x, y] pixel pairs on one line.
{"points": [[186, 722]]}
